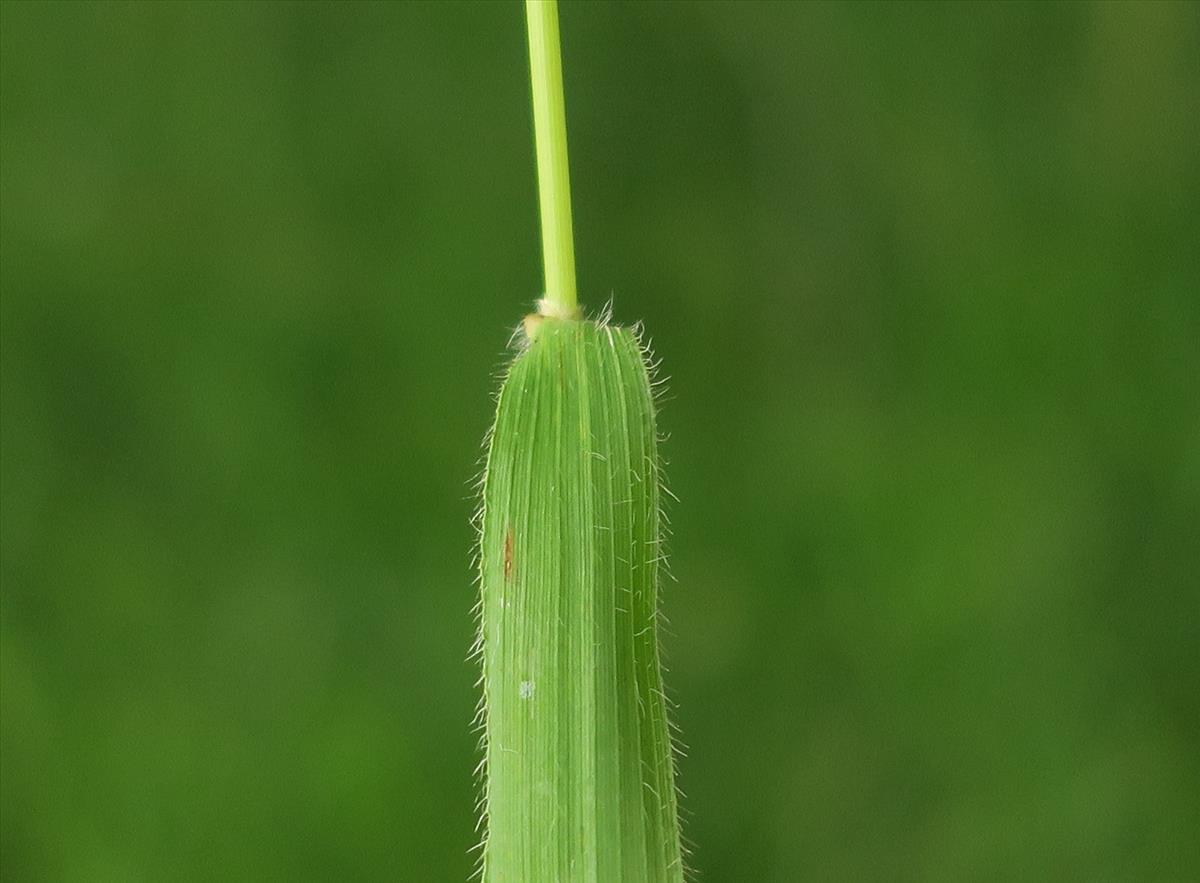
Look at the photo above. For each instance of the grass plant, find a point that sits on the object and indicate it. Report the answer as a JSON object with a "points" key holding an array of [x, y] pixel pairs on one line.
{"points": [[579, 783]]}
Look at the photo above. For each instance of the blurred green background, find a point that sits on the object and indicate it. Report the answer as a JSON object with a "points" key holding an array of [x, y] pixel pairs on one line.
{"points": [[926, 282]]}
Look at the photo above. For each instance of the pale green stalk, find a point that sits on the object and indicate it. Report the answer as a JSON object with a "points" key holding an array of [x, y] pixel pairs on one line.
{"points": [[550, 134]]}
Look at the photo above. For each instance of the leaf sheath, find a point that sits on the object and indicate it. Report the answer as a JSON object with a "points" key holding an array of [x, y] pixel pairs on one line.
{"points": [[580, 785]]}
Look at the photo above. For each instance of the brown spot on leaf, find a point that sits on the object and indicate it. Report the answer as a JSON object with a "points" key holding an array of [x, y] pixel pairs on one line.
{"points": [[508, 554]]}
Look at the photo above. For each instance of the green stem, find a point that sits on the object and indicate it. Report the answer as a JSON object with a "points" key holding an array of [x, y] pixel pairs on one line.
{"points": [[550, 132]]}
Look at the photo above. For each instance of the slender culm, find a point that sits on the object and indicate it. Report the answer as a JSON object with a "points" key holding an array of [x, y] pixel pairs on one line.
{"points": [[550, 139], [579, 785]]}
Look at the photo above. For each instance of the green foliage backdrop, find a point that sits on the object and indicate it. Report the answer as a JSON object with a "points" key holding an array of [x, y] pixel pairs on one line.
{"points": [[924, 277]]}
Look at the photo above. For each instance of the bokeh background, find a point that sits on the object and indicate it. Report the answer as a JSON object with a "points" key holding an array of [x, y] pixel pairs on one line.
{"points": [[926, 282]]}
